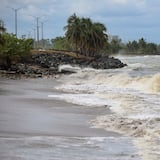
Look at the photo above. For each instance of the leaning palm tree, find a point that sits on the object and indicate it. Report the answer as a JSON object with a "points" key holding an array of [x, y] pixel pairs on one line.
{"points": [[95, 37], [99, 35], [85, 36], [86, 25], [73, 32]]}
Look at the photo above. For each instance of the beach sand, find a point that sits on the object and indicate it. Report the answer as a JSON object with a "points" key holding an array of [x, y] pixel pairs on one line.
{"points": [[26, 109], [27, 112]]}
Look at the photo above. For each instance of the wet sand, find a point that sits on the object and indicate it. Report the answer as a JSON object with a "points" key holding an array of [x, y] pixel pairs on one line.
{"points": [[36, 127], [25, 109]]}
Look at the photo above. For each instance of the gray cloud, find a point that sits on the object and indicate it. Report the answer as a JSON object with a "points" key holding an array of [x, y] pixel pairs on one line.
{"points": [[138, 16]]}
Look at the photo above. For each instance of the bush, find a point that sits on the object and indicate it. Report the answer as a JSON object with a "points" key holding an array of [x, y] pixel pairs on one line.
{"points": [[12, 48]]}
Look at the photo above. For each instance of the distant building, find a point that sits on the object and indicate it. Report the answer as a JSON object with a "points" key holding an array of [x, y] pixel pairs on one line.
{"points": [[2, 27]]}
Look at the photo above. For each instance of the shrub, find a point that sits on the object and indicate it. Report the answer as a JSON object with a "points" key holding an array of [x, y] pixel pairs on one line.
{"points": [[13, 48]]}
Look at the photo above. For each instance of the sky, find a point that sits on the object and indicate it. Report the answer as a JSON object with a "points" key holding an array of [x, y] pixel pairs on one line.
{"points": [[129, 19]]}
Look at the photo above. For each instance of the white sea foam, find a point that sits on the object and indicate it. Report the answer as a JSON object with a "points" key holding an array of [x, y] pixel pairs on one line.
{"points": [[132, 92], [119, 79], [83, 99], [68, 67], [145, 116]]}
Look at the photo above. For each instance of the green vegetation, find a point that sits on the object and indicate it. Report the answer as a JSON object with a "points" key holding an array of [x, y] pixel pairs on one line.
{"points": [[60, 43], [114, 46], [82, 35], [12, 48], [141, 47], [85, 36], [90, 38]]}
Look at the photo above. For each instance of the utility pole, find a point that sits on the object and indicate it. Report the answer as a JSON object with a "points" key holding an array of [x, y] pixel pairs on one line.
{"points": [[42, 31], [42, 35], [42, 23], [37, 28], [15, 10], [37, 19], [34, 37]]}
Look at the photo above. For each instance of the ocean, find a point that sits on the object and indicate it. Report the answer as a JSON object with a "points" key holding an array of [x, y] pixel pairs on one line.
{"points": [[92, 114], [132, 94]]}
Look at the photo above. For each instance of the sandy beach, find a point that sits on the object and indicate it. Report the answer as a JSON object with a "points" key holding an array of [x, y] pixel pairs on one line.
{"points": [[31, 124], [26, 109]]}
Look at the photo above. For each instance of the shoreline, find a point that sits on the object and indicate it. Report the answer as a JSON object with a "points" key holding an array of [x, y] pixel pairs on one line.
{"points": [[44, 64], [32, 101], [31, 123]]}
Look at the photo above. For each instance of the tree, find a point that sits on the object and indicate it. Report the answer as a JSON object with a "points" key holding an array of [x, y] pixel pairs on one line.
{"points": [[115, 45], [132, 46], [14, 48], [142, 45], [74, 30], [95, 38], [60, 43], [85, 36], [151, 48]]}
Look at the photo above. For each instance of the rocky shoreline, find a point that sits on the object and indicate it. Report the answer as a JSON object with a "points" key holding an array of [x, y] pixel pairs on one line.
{"points": [[47, 64]]}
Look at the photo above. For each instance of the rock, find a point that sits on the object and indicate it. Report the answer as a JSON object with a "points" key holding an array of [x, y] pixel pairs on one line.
{"points": [[48, 63]]}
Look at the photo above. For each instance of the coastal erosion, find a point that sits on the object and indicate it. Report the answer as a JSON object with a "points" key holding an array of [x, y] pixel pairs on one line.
{"points": [[40, 64]]}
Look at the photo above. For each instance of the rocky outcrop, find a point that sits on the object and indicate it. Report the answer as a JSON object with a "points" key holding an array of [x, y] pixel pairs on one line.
{"points": [[48, 63], [98, 62]]}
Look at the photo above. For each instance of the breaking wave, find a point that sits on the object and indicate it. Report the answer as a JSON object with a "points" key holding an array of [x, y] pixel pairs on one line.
{"points": [[132, 93]]}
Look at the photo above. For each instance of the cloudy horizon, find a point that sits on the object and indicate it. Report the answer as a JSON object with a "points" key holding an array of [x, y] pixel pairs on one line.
{"points": [[129, 19]]}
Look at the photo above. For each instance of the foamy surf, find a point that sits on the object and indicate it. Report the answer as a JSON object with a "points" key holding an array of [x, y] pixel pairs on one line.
{"points": [[83, 99], [69, 68], [133, 95]]}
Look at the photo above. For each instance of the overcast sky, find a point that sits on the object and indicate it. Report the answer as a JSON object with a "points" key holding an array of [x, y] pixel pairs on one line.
{"points": [[129, 19]]}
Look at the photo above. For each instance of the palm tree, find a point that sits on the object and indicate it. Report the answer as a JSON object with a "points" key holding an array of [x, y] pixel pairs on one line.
{"points": [[86, 25], [73, 30], [87, 37], [95, 37], [100, 36]]}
